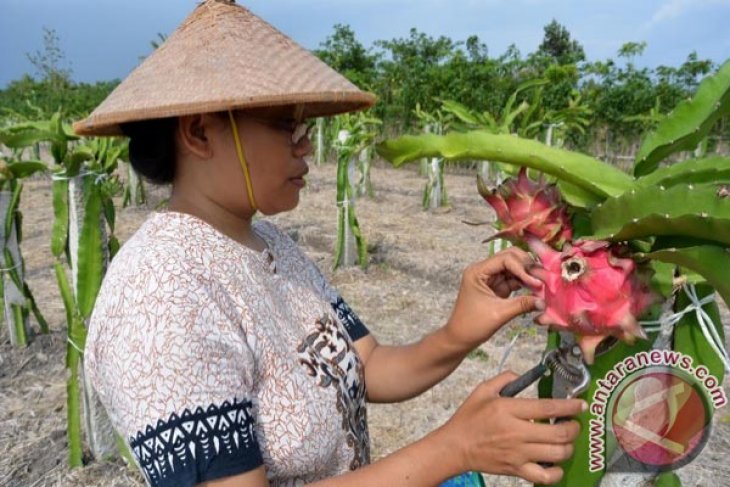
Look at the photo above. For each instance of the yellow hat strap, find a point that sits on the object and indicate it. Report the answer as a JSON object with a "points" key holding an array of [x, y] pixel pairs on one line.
{"points": [[242, 160]]}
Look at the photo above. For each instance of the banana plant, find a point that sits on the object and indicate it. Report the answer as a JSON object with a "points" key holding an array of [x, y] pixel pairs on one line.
{"points": [[353, 137], [674, 219], [434, 193], [17, 298]]}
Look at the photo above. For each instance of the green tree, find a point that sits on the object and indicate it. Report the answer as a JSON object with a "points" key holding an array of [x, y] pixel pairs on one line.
{"points": [[558, 45], [693, 70], [630, 50], [556, 59], [411, 73], [619, 94], [344, 53], [476, 49]]}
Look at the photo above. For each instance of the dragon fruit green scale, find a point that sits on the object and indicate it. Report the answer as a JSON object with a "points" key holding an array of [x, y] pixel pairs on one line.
{"points": [[524, 206], [591, 291]]}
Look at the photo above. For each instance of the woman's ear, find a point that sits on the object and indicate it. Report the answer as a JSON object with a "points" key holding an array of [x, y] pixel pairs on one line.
{"points": [[195, 134]]}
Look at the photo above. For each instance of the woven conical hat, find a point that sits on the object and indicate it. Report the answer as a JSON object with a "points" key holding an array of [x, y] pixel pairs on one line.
{"points": [[224, 57]]}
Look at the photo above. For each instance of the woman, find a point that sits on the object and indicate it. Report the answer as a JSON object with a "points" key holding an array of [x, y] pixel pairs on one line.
{"points": [[218, 348]]}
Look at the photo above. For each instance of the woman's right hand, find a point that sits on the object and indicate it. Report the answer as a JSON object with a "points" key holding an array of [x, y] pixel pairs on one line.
{"points": [[497, 435]]}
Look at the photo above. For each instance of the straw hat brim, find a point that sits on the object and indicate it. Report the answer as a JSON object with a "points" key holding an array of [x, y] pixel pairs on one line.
{"points": [[223, 57], [315, 105]]}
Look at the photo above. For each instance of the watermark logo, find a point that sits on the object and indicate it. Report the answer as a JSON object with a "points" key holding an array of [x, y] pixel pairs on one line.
{"points": [[652, 412]]}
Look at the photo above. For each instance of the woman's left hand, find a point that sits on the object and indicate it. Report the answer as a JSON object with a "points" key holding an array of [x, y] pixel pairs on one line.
{"points": [[484, 303]]}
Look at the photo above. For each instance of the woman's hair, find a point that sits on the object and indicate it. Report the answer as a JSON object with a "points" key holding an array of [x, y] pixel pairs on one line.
{"points": [[152, 148]]}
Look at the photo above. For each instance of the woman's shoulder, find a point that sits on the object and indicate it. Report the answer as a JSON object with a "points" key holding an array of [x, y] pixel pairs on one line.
{"points": [[158, 283], [170, 239], [163, 249]]}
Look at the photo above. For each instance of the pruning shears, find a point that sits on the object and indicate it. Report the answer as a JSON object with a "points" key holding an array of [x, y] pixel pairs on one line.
{"points": [[565, 363]]}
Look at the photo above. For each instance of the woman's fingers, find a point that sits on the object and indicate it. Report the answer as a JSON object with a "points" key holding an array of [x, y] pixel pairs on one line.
{"points": [[538, 272], [547, 408], [562, 432], [495, 264], [490, 388], [548, 452], [513, 261], [532, 472], [504, 284], [518, 267], [500, 437], [501, 284], [514, 284], [511, 308]]}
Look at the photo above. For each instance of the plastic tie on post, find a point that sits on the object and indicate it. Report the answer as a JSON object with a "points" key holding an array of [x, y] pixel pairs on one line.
{"points": [[100, 176], [667, 323], [73, 344], [8, 269]]}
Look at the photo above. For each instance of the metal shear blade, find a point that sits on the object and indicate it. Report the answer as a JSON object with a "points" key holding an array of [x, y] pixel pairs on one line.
{"points": [[565, 363]]}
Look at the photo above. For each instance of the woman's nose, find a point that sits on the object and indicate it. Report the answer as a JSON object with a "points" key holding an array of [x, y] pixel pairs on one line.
{"points": [[303, 147]]}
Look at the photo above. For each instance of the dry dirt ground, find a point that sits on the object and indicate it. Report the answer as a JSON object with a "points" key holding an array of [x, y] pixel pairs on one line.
{"points": [[416, 262]]}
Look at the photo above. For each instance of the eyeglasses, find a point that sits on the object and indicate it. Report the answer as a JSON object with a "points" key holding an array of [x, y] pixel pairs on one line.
{"points": [[295, 131]]}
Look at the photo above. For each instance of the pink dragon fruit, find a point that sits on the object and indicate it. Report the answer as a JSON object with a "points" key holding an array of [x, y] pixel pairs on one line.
{"points": [[524, 206], [592, 292]]}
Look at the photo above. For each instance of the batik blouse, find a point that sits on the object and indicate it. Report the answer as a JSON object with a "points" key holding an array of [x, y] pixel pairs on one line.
{"points": [[213, 359]]}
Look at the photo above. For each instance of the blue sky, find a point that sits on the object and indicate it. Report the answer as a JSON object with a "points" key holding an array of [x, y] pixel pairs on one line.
{"points": [[103, 39]]}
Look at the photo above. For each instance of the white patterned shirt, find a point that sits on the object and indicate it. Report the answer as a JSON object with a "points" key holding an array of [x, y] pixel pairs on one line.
{"points": [[212, 359]]}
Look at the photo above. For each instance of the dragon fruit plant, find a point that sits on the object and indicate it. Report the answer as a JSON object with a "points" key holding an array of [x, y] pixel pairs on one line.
{"points": [[355, 135], [623, 254], [369, 126], [83, 188], [16, 298], [434, 193]]}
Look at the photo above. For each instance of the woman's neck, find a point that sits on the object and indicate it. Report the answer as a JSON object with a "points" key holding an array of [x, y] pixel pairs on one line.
{"points": [[234, 226]]}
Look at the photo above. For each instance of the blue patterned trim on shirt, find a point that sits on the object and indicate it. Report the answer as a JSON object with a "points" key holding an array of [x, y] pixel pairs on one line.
{"points": [[355, 328], [195, 447]]}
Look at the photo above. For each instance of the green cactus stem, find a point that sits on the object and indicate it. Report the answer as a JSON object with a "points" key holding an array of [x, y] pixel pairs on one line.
{"points": [[581, 171], [134, 192], [321, 150], [89, 250], [709, 261], [16, 316], [350, 247], [688, 124], [691, 171], [364, 183], [682, 210]]}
